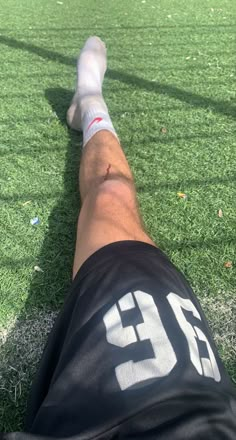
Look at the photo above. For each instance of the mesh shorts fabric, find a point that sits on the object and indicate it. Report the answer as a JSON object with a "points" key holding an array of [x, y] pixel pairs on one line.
{"points": [[131, 356]]}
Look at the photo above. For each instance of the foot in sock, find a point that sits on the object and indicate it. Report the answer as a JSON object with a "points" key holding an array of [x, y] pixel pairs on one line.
{"points": [[91, 67], [88, 110]]}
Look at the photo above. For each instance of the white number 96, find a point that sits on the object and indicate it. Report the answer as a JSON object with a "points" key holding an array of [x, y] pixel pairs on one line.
{"points": [[129, 373]]}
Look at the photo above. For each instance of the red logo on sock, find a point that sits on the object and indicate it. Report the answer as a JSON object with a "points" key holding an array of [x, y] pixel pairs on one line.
{"points": [[97, 120]]}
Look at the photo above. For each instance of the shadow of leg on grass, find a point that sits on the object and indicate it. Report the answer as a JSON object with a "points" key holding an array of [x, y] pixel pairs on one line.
{"points": [[191, 98], [22, 348]]}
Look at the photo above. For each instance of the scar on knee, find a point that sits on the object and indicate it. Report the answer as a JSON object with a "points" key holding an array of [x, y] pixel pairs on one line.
{"points": [[107, 173]]}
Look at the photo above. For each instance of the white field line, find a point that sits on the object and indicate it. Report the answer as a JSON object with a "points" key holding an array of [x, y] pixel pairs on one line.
{"points": [[21, 347]]}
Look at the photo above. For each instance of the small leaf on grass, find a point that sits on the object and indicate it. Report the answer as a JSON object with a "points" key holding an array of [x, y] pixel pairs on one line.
{"points": [[228, 264], [182, 195], [220, 213], [163, 130]]}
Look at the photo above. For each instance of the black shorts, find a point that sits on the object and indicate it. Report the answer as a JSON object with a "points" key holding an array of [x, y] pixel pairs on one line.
{"points": [[131, 356]]}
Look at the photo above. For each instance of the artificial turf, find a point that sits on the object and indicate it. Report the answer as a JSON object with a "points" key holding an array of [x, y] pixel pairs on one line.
{"points": [[171, 65]]}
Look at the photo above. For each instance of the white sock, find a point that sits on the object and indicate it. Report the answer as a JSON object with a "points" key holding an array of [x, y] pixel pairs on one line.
{"points": [[88, 110]]}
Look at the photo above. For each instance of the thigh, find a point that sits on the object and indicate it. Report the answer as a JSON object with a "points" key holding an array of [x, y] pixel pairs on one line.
{"points": [[108, 214]]}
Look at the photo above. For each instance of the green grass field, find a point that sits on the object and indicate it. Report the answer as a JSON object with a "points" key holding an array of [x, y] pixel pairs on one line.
{"points": [[171, 64]]}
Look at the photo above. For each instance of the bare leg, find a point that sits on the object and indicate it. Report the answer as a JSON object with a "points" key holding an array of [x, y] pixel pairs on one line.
{"points": [[109, 210]]}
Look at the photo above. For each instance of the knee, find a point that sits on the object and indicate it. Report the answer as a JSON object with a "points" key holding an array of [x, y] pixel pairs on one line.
{"points": [[117, 192]]}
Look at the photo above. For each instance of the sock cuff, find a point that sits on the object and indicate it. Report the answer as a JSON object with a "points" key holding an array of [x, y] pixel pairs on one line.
{"points": [[93, 122]]}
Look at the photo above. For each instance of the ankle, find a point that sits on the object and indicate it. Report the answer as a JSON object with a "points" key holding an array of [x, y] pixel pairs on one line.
{"points": [[91, 103]]}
